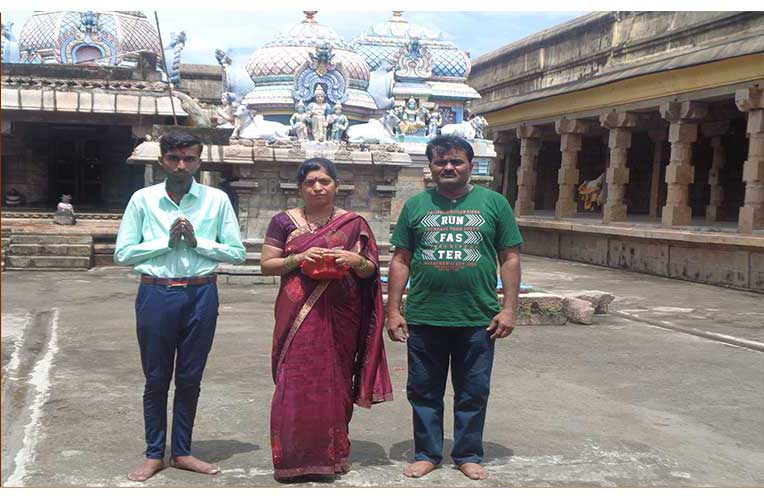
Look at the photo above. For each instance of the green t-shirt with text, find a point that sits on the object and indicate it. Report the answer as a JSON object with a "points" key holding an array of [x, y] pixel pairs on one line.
{"points": [[455, 245]]}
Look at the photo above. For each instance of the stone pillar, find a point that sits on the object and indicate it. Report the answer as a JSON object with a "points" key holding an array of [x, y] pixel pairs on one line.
{"points": [[752, 212], [658, 136], [530, 145], [715, 130], [617, 176], [571, 135], [680, 172], [148, 175]]}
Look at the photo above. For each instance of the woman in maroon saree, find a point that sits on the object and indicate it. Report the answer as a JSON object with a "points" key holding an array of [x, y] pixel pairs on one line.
{"points": [[328, 351]]}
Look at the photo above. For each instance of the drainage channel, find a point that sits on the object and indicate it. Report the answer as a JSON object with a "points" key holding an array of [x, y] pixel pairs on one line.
{"points": [[719, 337], [25, 392]]}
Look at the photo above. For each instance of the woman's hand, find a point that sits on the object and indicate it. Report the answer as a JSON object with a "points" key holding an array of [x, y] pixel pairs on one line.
{"points": [[312, 254], [344, 258]]}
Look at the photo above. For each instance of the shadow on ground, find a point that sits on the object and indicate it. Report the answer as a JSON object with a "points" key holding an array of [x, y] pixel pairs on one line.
{"points": [[217, 450]]}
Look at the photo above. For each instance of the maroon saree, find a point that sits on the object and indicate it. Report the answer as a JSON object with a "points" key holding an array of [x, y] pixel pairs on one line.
{"points": [[328, 351]]}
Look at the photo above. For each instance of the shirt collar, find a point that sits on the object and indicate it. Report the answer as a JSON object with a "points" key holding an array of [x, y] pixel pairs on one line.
{"points": [[194, 190]]}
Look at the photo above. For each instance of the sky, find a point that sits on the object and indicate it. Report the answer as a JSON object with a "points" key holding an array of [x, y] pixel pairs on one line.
{"points": [[241, 32]]}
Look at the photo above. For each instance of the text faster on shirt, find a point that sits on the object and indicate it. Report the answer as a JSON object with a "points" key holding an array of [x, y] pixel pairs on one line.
{"points": [[144, 233], [455, 246]]}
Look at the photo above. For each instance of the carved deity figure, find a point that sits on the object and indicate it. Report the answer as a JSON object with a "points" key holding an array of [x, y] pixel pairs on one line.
{"points": [[436, 121], [319, 111], [299, 122], [226, 116], [339, 123], [413, 118]]}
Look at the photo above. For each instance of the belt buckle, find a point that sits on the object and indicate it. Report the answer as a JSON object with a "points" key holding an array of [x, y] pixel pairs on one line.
{"points": [[177, 283]]}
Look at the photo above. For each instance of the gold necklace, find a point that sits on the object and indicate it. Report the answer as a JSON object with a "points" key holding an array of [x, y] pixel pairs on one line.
{"points": [[325, 219]]}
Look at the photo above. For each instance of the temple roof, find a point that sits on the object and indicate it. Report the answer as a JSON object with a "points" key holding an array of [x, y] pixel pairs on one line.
{"points": [[70, 37]]}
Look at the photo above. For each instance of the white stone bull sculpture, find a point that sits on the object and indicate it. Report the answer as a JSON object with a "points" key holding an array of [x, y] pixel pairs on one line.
{"points": [[260, 128], [373, 132], [472, 129]]}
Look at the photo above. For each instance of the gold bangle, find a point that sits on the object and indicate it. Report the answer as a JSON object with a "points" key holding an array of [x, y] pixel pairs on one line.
{"points": [[289, 262], [364, 265]]}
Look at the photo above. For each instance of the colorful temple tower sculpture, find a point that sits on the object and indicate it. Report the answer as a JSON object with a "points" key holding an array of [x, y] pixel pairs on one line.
{"points": [[102, 38]]}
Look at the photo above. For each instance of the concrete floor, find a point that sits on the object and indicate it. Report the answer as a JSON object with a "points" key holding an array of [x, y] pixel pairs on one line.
{"points": [[619, 403]]}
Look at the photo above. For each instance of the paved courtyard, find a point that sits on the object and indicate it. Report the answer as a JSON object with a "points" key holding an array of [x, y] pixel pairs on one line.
{"points": [[637, 399]]}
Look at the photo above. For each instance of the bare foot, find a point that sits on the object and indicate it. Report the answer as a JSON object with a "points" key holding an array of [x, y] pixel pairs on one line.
{"points": [[344, 469], [419, 469], [474, 471], [193, 464], [146, 469]]}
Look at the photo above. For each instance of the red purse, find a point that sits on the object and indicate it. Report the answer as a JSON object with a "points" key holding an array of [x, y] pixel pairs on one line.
{"points": [[324, 269]]}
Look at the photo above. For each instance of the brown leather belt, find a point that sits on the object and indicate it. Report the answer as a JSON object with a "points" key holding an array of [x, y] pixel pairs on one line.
{"points": [[179, 282]]}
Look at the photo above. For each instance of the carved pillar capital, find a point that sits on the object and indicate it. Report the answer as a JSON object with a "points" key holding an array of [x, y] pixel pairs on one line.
{"points": [[618, 119], [528, 132], [750, 98], [572, 126], [686, 111]]}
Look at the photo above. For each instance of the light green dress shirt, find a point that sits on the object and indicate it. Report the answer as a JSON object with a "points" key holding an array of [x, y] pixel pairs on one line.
{"points": [[145, 232]]}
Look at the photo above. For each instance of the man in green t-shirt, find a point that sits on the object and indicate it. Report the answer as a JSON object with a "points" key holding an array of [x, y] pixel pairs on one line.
{"points": [[449, 240]]}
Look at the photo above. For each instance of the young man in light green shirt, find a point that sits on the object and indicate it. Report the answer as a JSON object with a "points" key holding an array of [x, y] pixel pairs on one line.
{"points": [[450, 240], [174, 234]]}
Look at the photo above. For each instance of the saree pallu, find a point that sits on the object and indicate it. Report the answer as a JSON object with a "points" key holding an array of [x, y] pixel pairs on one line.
{"points": [[328, 353]]}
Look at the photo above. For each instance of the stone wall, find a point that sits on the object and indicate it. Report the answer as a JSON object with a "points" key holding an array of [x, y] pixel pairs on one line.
{"points": [[689, 258]]}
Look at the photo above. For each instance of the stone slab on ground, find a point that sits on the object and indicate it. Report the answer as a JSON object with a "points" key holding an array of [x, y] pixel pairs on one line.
{"points": [[537, 308], [600, 300], [578, 310]]}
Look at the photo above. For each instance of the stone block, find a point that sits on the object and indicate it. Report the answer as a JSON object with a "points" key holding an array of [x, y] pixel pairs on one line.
{"points": [[578, 310], [86, 102], [568, 176], [67, 101], [103, 103], [49, 100], [540, 242], [590, 248], [526, 177], [31, 100], [619, 138], [756, 281], [148, 105], [598, 299], [617, 175], [10, 98], [679, 173], [753, 170], [128, 104], [639, 255], [676, 215], [540, 309], [570, 142], [685, 263], [683, 132]]}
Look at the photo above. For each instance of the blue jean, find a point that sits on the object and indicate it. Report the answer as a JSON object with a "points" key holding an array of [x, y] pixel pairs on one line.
{"points": [[470, 351], [175, 326]]}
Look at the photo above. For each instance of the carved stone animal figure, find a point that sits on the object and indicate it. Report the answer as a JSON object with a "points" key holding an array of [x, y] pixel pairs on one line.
{"points": [[373, 132], [466, 130], [260, 128]]}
